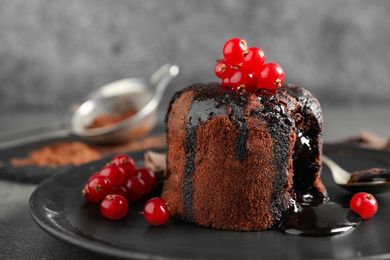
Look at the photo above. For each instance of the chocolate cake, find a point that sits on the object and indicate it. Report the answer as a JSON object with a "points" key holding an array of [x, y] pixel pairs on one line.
{"points": [[239, 161]]}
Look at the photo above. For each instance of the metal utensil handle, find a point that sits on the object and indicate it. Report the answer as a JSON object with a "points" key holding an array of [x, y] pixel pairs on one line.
{"points": [[163, 71], [164, 75], [160, 79], [46, 132], [340, 175]]}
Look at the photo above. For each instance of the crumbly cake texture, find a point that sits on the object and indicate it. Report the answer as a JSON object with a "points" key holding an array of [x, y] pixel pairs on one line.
{"points": [[238, 161]]}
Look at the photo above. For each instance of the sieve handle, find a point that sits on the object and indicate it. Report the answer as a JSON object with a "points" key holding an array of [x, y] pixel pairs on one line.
{"points": [[46, 132]]}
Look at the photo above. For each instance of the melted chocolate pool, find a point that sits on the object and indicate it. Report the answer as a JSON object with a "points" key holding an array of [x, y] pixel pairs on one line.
{"points": [[316, 217]]}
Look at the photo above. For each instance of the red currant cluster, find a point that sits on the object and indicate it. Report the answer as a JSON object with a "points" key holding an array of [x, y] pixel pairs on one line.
{"points": [[120, 182], [364, 204], [244, 69]]}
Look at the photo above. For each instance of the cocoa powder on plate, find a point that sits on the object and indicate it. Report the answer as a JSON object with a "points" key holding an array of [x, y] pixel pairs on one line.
{"points": [[59, 154], [76, 153]]}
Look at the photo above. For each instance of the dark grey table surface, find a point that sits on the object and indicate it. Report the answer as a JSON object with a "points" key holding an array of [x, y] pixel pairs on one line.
{"points": [[21, 238]]}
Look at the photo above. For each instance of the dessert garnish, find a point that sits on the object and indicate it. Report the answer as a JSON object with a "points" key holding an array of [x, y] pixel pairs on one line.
{"points": [[135, 187], [119, 183], [147, 176], [244, 69], [114, 207], [114, 173], [156, 211], [126, 163], [364, 204]]}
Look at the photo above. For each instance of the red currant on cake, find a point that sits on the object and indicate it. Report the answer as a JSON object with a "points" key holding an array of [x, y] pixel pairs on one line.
{"points": [[156, 211], [364, 204], [114, 207], [223, 69], [254, 58], [242, 80], [126, 163], [233, 51], [147, 176], [114, 173], [244, 69], [271, 76]]}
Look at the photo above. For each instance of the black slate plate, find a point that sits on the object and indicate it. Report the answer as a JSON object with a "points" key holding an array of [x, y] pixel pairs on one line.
{"points": [[35, 174], [59, 209], [28, 173]]}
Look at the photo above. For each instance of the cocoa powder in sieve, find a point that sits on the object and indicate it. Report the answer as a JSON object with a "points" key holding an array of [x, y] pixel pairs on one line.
{"points": [[104, 120]]}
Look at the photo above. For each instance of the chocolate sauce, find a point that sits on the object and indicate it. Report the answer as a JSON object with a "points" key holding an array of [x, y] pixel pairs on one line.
{"points": [[381, 177], [373, 175], [274, 112], [316, 217]]}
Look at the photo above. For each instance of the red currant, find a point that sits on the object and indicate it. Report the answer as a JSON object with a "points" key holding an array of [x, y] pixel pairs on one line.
{"points": [[364, 204], [114, 173], [233, 50], [242, 80], [254, 58], [99, 187], [223, 69], [156, 211], [88, 195], [114, 207], [135, 188], [121, 190], [147, 176], [271, 76], [126, 163]]}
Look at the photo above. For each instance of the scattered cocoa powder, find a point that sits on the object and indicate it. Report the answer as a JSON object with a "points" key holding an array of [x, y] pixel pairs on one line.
{"points": [[76, 153], [104, 120], [59, 154]]}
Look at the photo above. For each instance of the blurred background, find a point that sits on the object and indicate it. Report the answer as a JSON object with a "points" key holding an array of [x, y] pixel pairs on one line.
{"points": [[52, 52]]}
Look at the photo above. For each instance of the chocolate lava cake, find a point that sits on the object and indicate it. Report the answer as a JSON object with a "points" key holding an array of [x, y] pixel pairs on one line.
{"points": [[239, 161]]}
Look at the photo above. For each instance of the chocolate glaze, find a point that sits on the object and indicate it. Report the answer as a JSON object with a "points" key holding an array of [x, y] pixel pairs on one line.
{"points": [[210, 102], [279, 125], [287, 110]]}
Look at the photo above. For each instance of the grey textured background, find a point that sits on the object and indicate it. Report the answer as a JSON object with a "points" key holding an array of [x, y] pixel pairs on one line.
{"points": [[54, 51]]}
